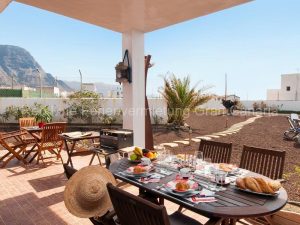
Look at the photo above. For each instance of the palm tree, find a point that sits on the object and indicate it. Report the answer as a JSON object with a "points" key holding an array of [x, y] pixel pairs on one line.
{"points": [[181, 98]]}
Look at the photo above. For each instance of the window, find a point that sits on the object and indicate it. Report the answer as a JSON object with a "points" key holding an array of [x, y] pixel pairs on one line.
{"points": [[288, 88]]}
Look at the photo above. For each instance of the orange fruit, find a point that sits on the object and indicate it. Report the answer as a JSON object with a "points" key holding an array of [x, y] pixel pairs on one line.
{"points": [[150, 155]]}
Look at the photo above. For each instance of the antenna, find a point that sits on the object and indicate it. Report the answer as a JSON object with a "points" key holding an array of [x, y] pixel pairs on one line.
{"points": [[80, 80], [225, 86]]}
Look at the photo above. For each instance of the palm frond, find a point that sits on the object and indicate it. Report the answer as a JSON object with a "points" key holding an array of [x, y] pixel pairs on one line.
{"points": [[181, 97]]}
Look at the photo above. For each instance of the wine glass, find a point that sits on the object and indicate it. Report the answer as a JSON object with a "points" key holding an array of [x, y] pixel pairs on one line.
{"points": [[208, 160], [198, 159], [161, 150], [199, 156]]}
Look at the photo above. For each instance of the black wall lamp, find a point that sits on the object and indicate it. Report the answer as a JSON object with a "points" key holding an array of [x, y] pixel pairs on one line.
{"points": [[123, 71]]}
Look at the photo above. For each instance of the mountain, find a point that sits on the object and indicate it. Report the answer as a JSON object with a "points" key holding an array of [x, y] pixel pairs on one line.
{"points": [[102, 88], [17, 63]]}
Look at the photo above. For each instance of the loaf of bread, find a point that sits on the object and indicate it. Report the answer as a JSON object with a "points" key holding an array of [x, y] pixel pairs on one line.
{"points": [[275, 185], [265, 187], [240, 183], [258, 184], [252, 184]]}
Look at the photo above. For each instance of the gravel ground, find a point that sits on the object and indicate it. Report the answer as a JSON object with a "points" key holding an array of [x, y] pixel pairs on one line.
{"points": [[200, 124], [265, 132]]}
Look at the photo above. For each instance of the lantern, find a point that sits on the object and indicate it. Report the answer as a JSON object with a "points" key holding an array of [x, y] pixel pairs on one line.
{"points": [[123, 70]]}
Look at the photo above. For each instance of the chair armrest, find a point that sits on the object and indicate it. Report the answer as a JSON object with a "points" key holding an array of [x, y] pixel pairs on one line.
{"points": [[107, 219], [13, 134], [36, 136], [294, 203], [110, 214]]}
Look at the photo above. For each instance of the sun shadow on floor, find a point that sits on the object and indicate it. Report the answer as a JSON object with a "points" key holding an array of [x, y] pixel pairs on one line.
{"points": [[29, 168], [47, 183], [29, 209]]}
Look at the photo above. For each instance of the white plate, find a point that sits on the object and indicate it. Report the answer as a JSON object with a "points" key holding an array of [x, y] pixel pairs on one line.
{"points": [[257, 193], [181, 194]]}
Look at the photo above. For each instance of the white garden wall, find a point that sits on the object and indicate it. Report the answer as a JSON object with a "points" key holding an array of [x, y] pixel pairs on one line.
{"points": [[108, 105], [281, 105]]}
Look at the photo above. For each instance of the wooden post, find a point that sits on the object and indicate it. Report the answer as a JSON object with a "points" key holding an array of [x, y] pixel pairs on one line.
{"points": [[148, 126]]}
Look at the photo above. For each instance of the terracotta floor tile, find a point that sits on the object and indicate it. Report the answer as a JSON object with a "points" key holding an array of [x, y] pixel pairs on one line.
{"points": [[33, 195]]}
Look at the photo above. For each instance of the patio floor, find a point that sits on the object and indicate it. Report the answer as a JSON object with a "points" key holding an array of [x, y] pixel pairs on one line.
{"points": [[34, 195]]}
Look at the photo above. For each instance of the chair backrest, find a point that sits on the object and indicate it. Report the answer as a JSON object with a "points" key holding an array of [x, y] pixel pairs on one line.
{"points": [[219, 152], [294, 120], [51, 131], [106, 219], [294, 116], [267, 162], [10, 140], [27, 122], [133, 210]]}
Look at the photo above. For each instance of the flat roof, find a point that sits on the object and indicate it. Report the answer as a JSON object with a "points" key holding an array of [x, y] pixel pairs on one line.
{"points": [[126, 15]]}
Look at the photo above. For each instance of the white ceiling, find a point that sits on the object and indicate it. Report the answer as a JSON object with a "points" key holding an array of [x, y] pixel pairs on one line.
{"points": [[126, 15]]}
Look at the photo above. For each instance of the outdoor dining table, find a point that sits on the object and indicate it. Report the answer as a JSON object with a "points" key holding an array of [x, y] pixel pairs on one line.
{"points": [[231, 204], [74, 140]]}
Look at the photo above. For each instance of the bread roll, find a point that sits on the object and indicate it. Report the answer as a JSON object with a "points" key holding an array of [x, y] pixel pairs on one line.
{"points": [[240, 183], [252, 184], [264, 185], [182, 186], [139, 169]]}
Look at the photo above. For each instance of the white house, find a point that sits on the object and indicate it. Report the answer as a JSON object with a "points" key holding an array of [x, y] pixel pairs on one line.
{"points": [[290, 89], [49, 90], [115, 92], [89, 87]]}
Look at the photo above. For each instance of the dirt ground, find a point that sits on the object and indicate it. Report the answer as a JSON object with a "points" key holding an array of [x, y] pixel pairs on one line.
{"points": [[200, 125], [265, 132]]}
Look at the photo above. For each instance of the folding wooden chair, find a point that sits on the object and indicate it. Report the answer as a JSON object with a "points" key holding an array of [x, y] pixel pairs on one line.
{"points": [[27, 122], [13, 143], [218, 152], [50, 139]]}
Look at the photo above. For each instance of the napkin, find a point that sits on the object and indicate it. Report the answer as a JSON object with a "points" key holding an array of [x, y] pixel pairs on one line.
{"points": [[196, 199], [153, 178]]}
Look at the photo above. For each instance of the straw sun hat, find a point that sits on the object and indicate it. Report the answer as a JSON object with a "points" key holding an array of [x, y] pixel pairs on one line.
{"points": [[86, 194]]}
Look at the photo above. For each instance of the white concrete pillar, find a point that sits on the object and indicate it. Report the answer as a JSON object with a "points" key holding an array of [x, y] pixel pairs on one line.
{"points": [[134, 93]]}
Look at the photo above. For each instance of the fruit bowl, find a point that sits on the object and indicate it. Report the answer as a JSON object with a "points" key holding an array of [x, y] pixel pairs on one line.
{"points": [[139, 153]]}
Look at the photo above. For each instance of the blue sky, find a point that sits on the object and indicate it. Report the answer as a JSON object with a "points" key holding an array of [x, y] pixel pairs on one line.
{"points": [[253, 43]]}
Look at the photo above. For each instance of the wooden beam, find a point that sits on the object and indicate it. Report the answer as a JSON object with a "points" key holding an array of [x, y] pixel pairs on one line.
{"points": [[4, 4]]}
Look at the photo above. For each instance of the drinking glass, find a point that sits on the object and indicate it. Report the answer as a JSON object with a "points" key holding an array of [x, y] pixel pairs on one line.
{"points": [[220, 180], [161, 150], [207, 166], [198, 160], [207, 160]]}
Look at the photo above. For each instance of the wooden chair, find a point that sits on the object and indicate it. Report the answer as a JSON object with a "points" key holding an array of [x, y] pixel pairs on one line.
{"points": [[218, 152], [267, 162], [27, 122], [50, 139], [106, 219], [133, 210], [13, 143]]}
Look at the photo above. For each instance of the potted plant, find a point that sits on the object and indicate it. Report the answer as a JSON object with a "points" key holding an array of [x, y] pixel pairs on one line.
{"points": [[43, 115]]}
